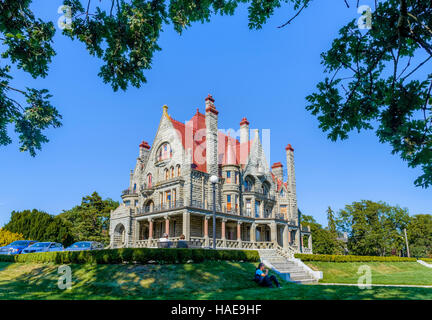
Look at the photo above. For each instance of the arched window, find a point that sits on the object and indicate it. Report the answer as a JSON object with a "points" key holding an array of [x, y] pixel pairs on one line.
{"points": [[178, 170], [166, 174], [265, 188], [164, 152], [172, 172], [248, 184], [149, 180]]}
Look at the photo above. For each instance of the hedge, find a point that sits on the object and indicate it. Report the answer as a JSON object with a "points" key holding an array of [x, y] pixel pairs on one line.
{"points": [[348, 258], [134, 255], [426, 259]]}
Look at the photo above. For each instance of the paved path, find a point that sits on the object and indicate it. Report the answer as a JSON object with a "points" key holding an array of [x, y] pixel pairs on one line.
{"points": [[375, 285]]}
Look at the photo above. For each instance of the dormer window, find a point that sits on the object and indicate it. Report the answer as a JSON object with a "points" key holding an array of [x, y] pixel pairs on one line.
{"points": [[164, 152]]}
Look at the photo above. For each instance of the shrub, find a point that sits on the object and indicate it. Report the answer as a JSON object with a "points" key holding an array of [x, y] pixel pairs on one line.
{"points": [[348, 258], [134, 255], [7, 237]]}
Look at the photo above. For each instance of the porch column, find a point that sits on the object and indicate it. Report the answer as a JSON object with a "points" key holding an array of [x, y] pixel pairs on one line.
{"points": [[253, 232], [206, 236], [186, 225], [273, 232], [289, 236], [310, 242], [223, 232], [167, 225], [239, 230], [285, 237], [150, 229]]}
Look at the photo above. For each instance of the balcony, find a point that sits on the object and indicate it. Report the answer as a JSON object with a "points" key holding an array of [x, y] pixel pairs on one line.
{"points": [[260, 194], [129, 192], [160, 208]]}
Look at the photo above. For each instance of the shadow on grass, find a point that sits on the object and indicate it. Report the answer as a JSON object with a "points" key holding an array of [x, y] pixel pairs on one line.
{"points": [[208, 280]]}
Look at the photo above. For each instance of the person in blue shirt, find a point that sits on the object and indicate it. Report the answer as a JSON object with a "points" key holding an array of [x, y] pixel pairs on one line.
{"points": [[263, 279]]}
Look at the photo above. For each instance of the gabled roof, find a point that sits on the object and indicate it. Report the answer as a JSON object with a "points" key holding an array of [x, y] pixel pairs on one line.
{"points": [[192, 135]]}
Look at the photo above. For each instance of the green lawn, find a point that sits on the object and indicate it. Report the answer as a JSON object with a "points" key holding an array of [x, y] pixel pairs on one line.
{"points": [[209, 280], [407, 273]]}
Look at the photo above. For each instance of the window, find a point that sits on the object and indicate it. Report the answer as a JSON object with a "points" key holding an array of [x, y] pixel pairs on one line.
{"points": [[134, 188], [257, 209], [166, 174], [248, 207], [127, 202], [247, 185], [236, 202], [164, 152], [282, 193], [149, 180], [228, 175], [172, 172], [283, 210], [168, 198], [228, 202], [178, 171], [236, 177]]}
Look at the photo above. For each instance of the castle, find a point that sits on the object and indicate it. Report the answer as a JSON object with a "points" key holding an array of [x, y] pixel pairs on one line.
{"points": [[170, 190]]}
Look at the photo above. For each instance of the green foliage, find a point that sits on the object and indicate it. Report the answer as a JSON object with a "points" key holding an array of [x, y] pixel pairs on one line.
{"points": [[374, 228], [369, 82], [27, 44], [350, 258], [419, 232], [90, 220], [323, 240], [40, 226], [7, 237], [135, 255]]}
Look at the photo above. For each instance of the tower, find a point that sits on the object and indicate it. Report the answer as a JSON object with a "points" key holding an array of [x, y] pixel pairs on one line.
{"points": [[211, 119]]}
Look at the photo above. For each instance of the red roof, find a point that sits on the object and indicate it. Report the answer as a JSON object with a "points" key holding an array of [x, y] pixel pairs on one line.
{"points": [[145, 145], [192, 135], [277, 165]]}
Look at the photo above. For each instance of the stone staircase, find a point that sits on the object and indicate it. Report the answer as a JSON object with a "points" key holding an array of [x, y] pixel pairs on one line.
{"points": [[292, 270]]}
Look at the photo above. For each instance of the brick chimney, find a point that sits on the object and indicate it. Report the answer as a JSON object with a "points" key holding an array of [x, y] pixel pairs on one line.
{"points": [[244, 130], [277, 170]]}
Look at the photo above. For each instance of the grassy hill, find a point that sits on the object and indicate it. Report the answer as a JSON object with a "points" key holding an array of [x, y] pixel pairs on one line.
{"points": [[405, 273], [208, 280]]}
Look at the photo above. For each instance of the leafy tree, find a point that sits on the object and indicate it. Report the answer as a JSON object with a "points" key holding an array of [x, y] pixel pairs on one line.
{"points": [[374, 228], [26, 41], [323, 240], [331, 223], [7, 237], [90, 220], [40, 226], [371, 83], [419, 232]]}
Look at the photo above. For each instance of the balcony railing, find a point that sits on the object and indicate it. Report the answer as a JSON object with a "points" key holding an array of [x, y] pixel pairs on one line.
{"points": [[160, 207], [129, 192]]}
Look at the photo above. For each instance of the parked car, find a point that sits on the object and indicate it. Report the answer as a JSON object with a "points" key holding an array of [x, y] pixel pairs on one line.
{"points": [[16, 247], [85, 245], [43, 247]]}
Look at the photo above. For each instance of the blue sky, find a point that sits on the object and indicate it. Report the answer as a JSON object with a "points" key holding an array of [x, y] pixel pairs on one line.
{"points": [[264, 75]]}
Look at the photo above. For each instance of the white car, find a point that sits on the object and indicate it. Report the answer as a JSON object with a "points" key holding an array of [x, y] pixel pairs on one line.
{"points": [[43, 247]]}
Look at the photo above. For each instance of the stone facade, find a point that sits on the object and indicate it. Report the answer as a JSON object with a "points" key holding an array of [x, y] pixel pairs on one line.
{"points": [[170, 190]]}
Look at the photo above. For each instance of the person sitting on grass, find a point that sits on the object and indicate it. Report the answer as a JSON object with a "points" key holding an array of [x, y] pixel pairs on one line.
{"points": [[263, 279]]}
